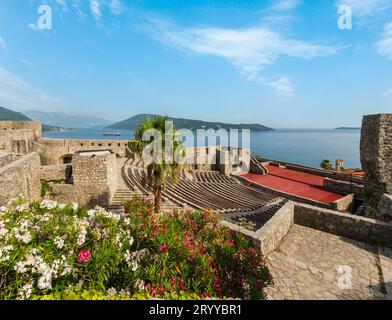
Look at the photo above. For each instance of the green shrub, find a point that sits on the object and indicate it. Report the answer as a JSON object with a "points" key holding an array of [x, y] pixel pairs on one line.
{"points": [[195, 253], [56, 251]]}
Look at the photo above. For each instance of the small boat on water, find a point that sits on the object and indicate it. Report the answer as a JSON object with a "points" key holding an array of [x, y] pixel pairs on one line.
{"points": [[111, 134]]}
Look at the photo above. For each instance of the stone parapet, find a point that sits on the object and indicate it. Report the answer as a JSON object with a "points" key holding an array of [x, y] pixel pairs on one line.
{"points": [[21, 177], [376, 158], [269, 236], [385, 208]]}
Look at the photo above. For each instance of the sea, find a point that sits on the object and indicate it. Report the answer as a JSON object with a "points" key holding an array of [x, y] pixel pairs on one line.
{"points": [[303, 146]]}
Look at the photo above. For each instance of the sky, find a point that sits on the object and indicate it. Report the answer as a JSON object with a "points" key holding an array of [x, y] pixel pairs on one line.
{"points": [[284, 63]]}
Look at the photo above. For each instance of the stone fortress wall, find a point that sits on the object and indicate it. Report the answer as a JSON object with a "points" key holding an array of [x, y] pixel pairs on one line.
{"points": [[55, 151], [94, 179], [376, 158], [21, 177], [19, 136]]}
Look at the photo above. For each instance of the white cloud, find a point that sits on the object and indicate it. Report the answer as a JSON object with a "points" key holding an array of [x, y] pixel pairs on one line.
{"points": [[387, 93], [283, 5], [27, 63], [249, 50], [33, 26], [3, 45], [282, 86], [17, 92], [95, 8], [77, 7], [116, 7], [384, 46], [363, 8], [63, 4]]}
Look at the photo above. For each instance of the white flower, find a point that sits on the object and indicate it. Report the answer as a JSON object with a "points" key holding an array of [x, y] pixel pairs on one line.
{"points": [[139, 285], [3, 209], [62, 205], [82, 225], [22, 207], [4, 253], [127, 256], [118, 241], [111, 292], [131, 241], [75, 206], [45, 281], [48, 204], [26, 291], [91, 214], [134, 266], [59, 242]]}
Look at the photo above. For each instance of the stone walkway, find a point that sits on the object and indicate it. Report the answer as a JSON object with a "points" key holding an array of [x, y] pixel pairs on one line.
{"points": [[310, 264]]}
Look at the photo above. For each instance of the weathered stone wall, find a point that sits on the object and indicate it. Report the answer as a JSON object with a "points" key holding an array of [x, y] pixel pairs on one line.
{"points": [[5, 158], [52, 151], [94, 181], [18, 141], [269, 236], [376, 158], [343, 187], [34, 126], [385, 207], [85, 197], [56, 172], [344, 225], [21, 177], [344, 204]]}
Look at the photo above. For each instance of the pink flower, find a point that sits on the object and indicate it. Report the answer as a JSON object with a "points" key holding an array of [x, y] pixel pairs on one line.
{"points": [[162, 248], [84, 256]]}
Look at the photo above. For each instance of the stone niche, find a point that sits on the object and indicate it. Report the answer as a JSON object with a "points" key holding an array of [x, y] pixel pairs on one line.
{"points": [[376, 158], [94, 179]]}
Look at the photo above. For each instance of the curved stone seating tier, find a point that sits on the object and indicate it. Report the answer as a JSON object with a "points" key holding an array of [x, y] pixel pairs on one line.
{"points": [[259, 216], [210, 190], [213, 176]]}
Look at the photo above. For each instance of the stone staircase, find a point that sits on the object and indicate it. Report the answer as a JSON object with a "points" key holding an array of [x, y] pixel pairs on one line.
{"points": [[119, 197], [123, 194], [257, 166]]}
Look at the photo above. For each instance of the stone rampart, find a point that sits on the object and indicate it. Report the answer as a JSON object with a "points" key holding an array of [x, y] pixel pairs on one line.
{"points": [[376, 158], [21, 177], [54, 151]]}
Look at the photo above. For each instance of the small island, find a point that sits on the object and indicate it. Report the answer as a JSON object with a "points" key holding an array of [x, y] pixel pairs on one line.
{"points": [[348, 128]]}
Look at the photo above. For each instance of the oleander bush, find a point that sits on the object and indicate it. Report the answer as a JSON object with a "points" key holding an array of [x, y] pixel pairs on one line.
{"points": [[57, 251]]}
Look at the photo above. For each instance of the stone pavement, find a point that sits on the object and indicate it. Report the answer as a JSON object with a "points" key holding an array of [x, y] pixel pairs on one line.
{"points": [[314, 265]]}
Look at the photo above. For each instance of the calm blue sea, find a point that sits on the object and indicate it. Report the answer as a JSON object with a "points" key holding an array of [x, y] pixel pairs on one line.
{"points": [[303, 146]]}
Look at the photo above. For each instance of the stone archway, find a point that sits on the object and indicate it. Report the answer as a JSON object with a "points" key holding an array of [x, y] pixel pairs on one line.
{"points": [[67, 158]]}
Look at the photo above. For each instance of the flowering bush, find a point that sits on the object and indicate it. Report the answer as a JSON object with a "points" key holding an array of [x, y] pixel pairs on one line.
{"points": [[57, 251], [49, 248], [195, 253]]}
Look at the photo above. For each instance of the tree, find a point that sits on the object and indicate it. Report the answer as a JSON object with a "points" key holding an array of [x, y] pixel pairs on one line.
{"points": [[160, 168], [326, 165]]}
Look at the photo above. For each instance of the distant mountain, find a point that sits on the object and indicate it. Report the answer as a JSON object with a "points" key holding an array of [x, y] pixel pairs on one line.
{"points": [[64, 120], [348, 128], [9, 115], [131, 123]]}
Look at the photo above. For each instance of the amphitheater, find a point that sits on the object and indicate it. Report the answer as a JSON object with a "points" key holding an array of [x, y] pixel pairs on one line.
{"points": [[324, 234]]}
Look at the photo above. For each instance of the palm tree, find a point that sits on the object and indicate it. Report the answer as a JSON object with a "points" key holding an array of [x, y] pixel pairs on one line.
{"points": [[326, 165], [159, 169]]}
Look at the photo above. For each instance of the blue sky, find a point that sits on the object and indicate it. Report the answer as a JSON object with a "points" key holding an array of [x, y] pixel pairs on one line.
{"points": [[279, 63]]}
